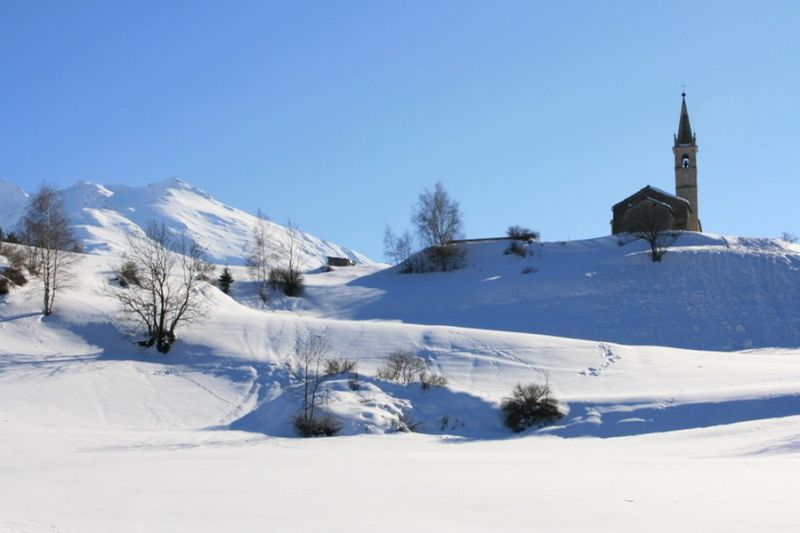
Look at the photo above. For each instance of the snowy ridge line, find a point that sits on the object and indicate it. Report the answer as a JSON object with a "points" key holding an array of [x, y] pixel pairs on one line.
{"points": [[102, 215]]}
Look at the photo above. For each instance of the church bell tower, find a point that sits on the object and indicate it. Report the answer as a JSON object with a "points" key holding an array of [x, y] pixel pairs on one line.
{"points": [[685, 150]]}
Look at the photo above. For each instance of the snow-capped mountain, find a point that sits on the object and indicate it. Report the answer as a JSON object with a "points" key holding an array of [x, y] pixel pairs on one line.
{"points": [[102, 216], [12, 204]]}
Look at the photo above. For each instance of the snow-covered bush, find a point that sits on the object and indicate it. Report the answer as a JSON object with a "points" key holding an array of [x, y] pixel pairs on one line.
{"points": [[530, 405]]}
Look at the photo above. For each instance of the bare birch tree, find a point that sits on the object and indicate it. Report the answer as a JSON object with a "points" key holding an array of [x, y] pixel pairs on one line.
{"points": [[260, 257], [438, 221], [289, 275], [397, 248], [52, 245]]}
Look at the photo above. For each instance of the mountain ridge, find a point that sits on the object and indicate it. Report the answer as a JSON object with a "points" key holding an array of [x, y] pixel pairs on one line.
{"points": [[102, 216]]}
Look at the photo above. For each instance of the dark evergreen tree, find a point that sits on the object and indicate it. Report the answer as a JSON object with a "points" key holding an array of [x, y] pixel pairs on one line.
{"points": [[225, 280]]}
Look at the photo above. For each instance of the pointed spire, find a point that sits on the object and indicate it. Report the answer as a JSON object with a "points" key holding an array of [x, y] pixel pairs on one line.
{"points": [[685, 135]]}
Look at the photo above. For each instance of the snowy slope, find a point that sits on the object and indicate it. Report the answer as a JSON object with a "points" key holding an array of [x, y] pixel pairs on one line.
{"points": [[103, 215], [97, 434], [708, 292]]}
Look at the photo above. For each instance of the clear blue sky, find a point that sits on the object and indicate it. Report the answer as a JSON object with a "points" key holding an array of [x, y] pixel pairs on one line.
{"points": [[338, 114]]}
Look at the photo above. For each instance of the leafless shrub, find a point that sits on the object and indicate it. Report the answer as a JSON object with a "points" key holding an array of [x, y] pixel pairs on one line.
{"points": [[290, 281], [405, 367], [339, 365], [316, 427], [530, 405], [309, 356], [428, 380], [791, 238], [405, 423], [15, 276], [516, 248], [522, 233], [402, 366], [354, 383], [128, 274], [15, 254]]}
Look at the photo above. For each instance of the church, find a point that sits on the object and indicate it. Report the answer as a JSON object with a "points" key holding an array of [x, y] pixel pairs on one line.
{"points": [[652, 208]]}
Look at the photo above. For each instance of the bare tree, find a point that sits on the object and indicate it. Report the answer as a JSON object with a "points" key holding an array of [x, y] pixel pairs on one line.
{"points": [[652, 221], [260, 257], [309, 356], [169, 287], [397, 249], [438, 220], [289, 275], [46, 231]]}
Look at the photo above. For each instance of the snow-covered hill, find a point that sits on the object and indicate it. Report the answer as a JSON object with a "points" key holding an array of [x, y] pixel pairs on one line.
{"points": [[201, 439], [708, 292], [98, 434], [103, 215]]}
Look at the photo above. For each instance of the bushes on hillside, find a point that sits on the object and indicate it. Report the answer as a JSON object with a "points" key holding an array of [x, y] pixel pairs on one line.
{"points": [[15, 276], [405, 367], [339, 365], [289, 280], [530, 405], [315, 426], [128, 274], [516, 248]]}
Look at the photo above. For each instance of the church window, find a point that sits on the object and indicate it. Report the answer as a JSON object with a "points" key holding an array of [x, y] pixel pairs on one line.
{"points": [[685, 161]]}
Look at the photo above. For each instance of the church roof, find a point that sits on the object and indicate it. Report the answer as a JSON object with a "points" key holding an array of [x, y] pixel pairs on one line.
{"points": [[685, 135], [652, 193]]}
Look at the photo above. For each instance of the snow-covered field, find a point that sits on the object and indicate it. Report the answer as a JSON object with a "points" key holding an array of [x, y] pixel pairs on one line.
{"points": [[97, 434]]}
